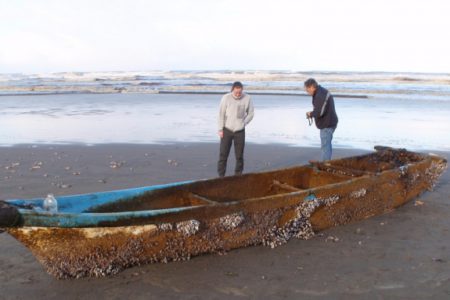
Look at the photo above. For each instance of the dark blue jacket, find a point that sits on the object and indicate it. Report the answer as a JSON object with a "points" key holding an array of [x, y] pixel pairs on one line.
{"points": [[324, 113]]}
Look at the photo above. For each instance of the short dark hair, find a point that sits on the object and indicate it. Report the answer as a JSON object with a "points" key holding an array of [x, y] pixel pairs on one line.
{"points": [[237, 84], [311, 82]]}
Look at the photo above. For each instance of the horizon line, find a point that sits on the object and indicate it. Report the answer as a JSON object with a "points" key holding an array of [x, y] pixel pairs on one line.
{"points": [[229, 70]]}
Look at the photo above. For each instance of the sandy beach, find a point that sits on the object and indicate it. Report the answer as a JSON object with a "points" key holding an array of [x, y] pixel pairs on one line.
{"points": [[401, 255]]}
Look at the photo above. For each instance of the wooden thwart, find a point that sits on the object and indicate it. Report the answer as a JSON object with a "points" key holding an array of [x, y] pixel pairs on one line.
{"points": [[285, 186], [203, 199]]}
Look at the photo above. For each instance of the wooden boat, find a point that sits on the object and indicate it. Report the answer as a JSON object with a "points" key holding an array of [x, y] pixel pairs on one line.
{"points": [[102, 233]]}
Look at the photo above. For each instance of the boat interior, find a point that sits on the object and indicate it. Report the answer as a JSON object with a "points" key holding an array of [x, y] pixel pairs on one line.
{"points": [[256, 185]]}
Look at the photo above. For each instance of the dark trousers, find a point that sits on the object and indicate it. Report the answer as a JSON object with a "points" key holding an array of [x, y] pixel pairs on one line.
{"points": [[229, 137]]}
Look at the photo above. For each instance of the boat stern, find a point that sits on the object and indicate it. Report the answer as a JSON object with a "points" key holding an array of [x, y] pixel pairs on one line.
{"points": [[9, 215]]}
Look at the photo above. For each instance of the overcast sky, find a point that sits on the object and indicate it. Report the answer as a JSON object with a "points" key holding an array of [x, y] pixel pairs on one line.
{"points": [[131, 35]]}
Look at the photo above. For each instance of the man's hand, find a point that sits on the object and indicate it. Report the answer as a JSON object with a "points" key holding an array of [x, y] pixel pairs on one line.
{"points": [[309, 114], [220, 133]]}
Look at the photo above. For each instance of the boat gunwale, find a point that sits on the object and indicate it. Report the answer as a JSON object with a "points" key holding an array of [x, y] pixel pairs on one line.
{"points": [[22, 203], [147, 215]]}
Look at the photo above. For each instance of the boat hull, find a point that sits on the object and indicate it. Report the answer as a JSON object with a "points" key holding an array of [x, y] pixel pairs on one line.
{"points": [[271, 220]]}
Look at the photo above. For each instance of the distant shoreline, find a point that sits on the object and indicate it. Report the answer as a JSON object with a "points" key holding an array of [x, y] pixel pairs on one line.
{"points": [[179, 93], [264, 94]]}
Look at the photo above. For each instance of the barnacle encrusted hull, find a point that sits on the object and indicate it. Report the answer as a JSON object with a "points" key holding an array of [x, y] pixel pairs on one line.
{"points": [[80, 252], [265, 208]]}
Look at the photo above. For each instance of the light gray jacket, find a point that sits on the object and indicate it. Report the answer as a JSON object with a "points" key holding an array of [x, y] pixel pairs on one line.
{"points": [[235, 114]]}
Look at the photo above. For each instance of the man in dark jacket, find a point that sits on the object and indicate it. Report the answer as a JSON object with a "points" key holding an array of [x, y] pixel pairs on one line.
{"points": [[324, 115]]}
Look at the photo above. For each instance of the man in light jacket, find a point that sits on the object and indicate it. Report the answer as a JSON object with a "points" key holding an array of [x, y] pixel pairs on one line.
{"points": [[324, 114], [236, 111]]}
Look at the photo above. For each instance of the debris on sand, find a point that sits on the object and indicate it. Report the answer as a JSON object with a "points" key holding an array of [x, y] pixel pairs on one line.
{"points": [[12, 167], [35, 167], [61, 185], [331, 238], [437, 259], [172, 162], [116, 164]]}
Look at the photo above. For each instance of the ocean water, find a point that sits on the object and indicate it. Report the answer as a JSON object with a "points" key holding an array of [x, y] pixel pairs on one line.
{"points": [[410, 122], [397, 85]]}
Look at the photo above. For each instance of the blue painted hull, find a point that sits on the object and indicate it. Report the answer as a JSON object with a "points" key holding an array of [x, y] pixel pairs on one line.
{"points": [[73, 211]]}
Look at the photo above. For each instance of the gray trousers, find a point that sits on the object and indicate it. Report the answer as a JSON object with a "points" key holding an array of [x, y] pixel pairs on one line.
{"points": [[229, 137]]}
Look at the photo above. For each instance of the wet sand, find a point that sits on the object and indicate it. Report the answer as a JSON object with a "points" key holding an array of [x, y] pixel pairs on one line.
{"points": [[404, 254]]}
